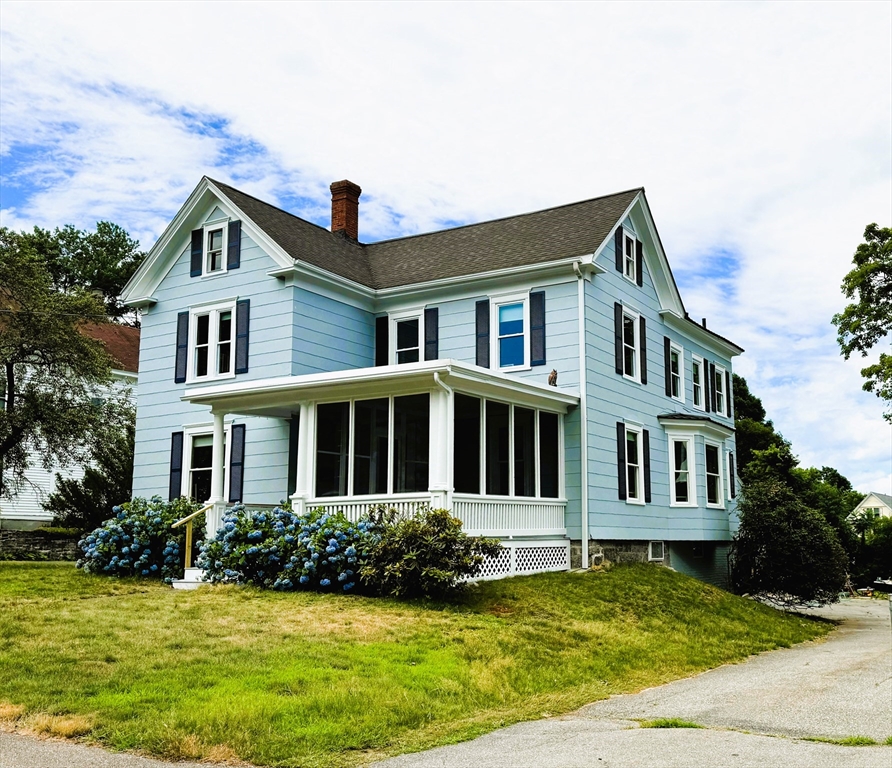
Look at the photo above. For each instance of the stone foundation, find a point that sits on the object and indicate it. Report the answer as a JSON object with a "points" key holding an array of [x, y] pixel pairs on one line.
{"points": [[601, 552], [28, 545]]}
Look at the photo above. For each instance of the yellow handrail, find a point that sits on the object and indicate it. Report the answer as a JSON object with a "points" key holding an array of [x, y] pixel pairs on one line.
{"points": [[188, 521]]}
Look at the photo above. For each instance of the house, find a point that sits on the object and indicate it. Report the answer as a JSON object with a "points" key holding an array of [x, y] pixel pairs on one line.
{"points": [[875, 504], [25, 511], [538, 375]]}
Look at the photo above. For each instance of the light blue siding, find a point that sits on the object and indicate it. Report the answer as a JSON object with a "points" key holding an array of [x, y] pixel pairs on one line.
{"points": [[328, 335]]}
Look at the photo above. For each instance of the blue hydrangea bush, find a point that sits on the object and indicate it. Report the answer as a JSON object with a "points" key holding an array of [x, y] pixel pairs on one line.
{"points": [[277, 549], [139, 541]]}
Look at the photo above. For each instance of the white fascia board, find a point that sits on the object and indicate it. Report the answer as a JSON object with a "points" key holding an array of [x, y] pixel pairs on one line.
{"points": [[698, 426], [279, 396], [692, 330], [177, 236]]}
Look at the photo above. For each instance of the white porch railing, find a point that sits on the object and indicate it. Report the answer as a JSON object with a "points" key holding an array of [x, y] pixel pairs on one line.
{"points": [[482, 516], [355, 508]]}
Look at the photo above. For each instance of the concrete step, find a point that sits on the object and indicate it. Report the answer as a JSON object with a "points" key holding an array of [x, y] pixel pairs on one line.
{"points": [[191, 579]]}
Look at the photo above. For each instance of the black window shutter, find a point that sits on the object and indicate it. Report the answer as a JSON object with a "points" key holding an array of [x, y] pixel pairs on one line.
{"points": [[182, 354], [537, 328], [382, 327], [707, 387], [646, 451], [712, 385], [176, 466], [234, 247], [483, 333], [197, 252], [728, 392], [242, 331], [642, 342], [431, 333], [731, 472], [667, 365], [237, 462], [618, 245], [618, 337], [639, 263], [293, 435], [621, 460]]}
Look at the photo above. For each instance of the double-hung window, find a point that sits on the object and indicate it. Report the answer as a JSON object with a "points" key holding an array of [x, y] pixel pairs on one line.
{"points": [[697, 379], [714, 491], [682, 486], [629, 262], [211, 342], [511, 331], [719, 385], [408, 337], [630, 345], [199, 448], [215, 237], [676, 372], [634, 466]]}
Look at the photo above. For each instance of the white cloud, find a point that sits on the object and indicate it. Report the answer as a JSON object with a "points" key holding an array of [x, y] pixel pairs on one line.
{"points": [[762, 129]]}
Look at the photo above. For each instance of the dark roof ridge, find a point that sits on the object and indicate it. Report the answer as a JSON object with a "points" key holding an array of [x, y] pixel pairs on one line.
{"points": [[282, 210], [505, 218]]}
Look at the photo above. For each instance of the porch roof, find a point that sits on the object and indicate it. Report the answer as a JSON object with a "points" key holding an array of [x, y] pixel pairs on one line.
{"points": [[279, 396]]}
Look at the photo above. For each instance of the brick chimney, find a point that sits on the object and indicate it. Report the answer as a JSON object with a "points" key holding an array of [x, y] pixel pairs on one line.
{"points": [[345, 208]]}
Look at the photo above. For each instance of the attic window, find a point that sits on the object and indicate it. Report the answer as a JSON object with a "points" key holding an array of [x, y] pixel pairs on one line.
{"points": [[629, 265], [215, 248]]}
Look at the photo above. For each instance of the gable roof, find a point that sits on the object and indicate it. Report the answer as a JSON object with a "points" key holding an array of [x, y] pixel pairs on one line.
{"points": [[887, 500], [121, 342]]}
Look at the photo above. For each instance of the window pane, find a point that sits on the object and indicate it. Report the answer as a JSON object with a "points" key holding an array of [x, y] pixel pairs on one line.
{"points": [[680, 448], [712, 489], [370, 419], [224, 357], [407, 334], [497, 448], [712, 459], [548, 455], [510, 319], [632, 473], [203, 328], [215, 240], [511, 351], [524, 452], [408, 356], [332, 445], [201, 361], [466, 446], [411, 434], [225, 326]]}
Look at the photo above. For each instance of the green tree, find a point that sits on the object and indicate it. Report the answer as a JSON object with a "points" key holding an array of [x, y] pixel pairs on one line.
{"points": [[107, 481], [875, 556], [753, 432], [101, 261], [785, 552], [868, 319], [49, 371]]}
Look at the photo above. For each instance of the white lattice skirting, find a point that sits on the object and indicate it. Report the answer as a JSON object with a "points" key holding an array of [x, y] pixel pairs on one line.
{"points": [[526, 557]]}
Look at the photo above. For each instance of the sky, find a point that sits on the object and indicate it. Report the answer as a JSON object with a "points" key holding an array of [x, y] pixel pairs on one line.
{"points": [[761, 131]]}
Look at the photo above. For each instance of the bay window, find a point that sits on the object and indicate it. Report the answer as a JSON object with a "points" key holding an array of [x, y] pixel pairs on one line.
{"points": [[682, 488], [714, 496]]}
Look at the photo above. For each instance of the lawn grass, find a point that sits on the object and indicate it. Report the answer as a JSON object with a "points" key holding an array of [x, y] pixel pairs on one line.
{"points": [[328, 680], [669, 722]]}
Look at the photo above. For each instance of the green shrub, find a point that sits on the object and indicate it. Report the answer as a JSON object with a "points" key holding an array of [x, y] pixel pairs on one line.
{"points": [[280, 550], [785, 552], [139, 540], [56, 532], [423, 555]]}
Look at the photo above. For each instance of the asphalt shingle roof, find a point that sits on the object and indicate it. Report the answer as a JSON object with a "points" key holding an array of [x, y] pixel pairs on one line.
{"points": [[531, 238], [121, 342]]}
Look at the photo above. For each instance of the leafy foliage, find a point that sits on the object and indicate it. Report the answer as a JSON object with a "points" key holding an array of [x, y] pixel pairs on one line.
{"points": [[752, 431], [108, 480], [49, 371], [280, 550], [100, 262], [424, 555], [867, 320], [139, 540], [875, 551], [785, 552]]}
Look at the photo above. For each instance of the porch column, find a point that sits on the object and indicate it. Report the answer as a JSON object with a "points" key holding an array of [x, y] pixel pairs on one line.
{"points": [[306, 459], [214, 517], [441, 439]]}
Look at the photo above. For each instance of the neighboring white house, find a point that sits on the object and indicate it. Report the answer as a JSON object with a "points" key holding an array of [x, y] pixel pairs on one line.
{"points": [[25, 511], [878, 503], [538, 375]]}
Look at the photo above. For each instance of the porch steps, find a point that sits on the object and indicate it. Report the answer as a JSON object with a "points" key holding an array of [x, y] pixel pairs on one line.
{"points": [[191, 579]]}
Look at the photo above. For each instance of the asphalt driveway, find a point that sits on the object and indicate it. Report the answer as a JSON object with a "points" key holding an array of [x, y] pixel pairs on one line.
{"points": [[757, 714]]}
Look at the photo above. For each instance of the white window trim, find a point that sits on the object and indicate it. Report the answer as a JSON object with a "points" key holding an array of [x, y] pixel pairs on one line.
{"points": [[204, 430], [636, 317], [673, 347], [213, 329], [397, 317], [720, 378], [640, 443], [496, 301], [721, 483], [628, 235], [692, 470], [650, 551], [697, 360], [206, 230]]}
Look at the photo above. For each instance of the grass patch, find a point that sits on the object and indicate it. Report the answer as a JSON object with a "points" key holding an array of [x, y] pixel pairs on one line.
{"points": [[315, 680], [669, 722], [850, 741]]}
